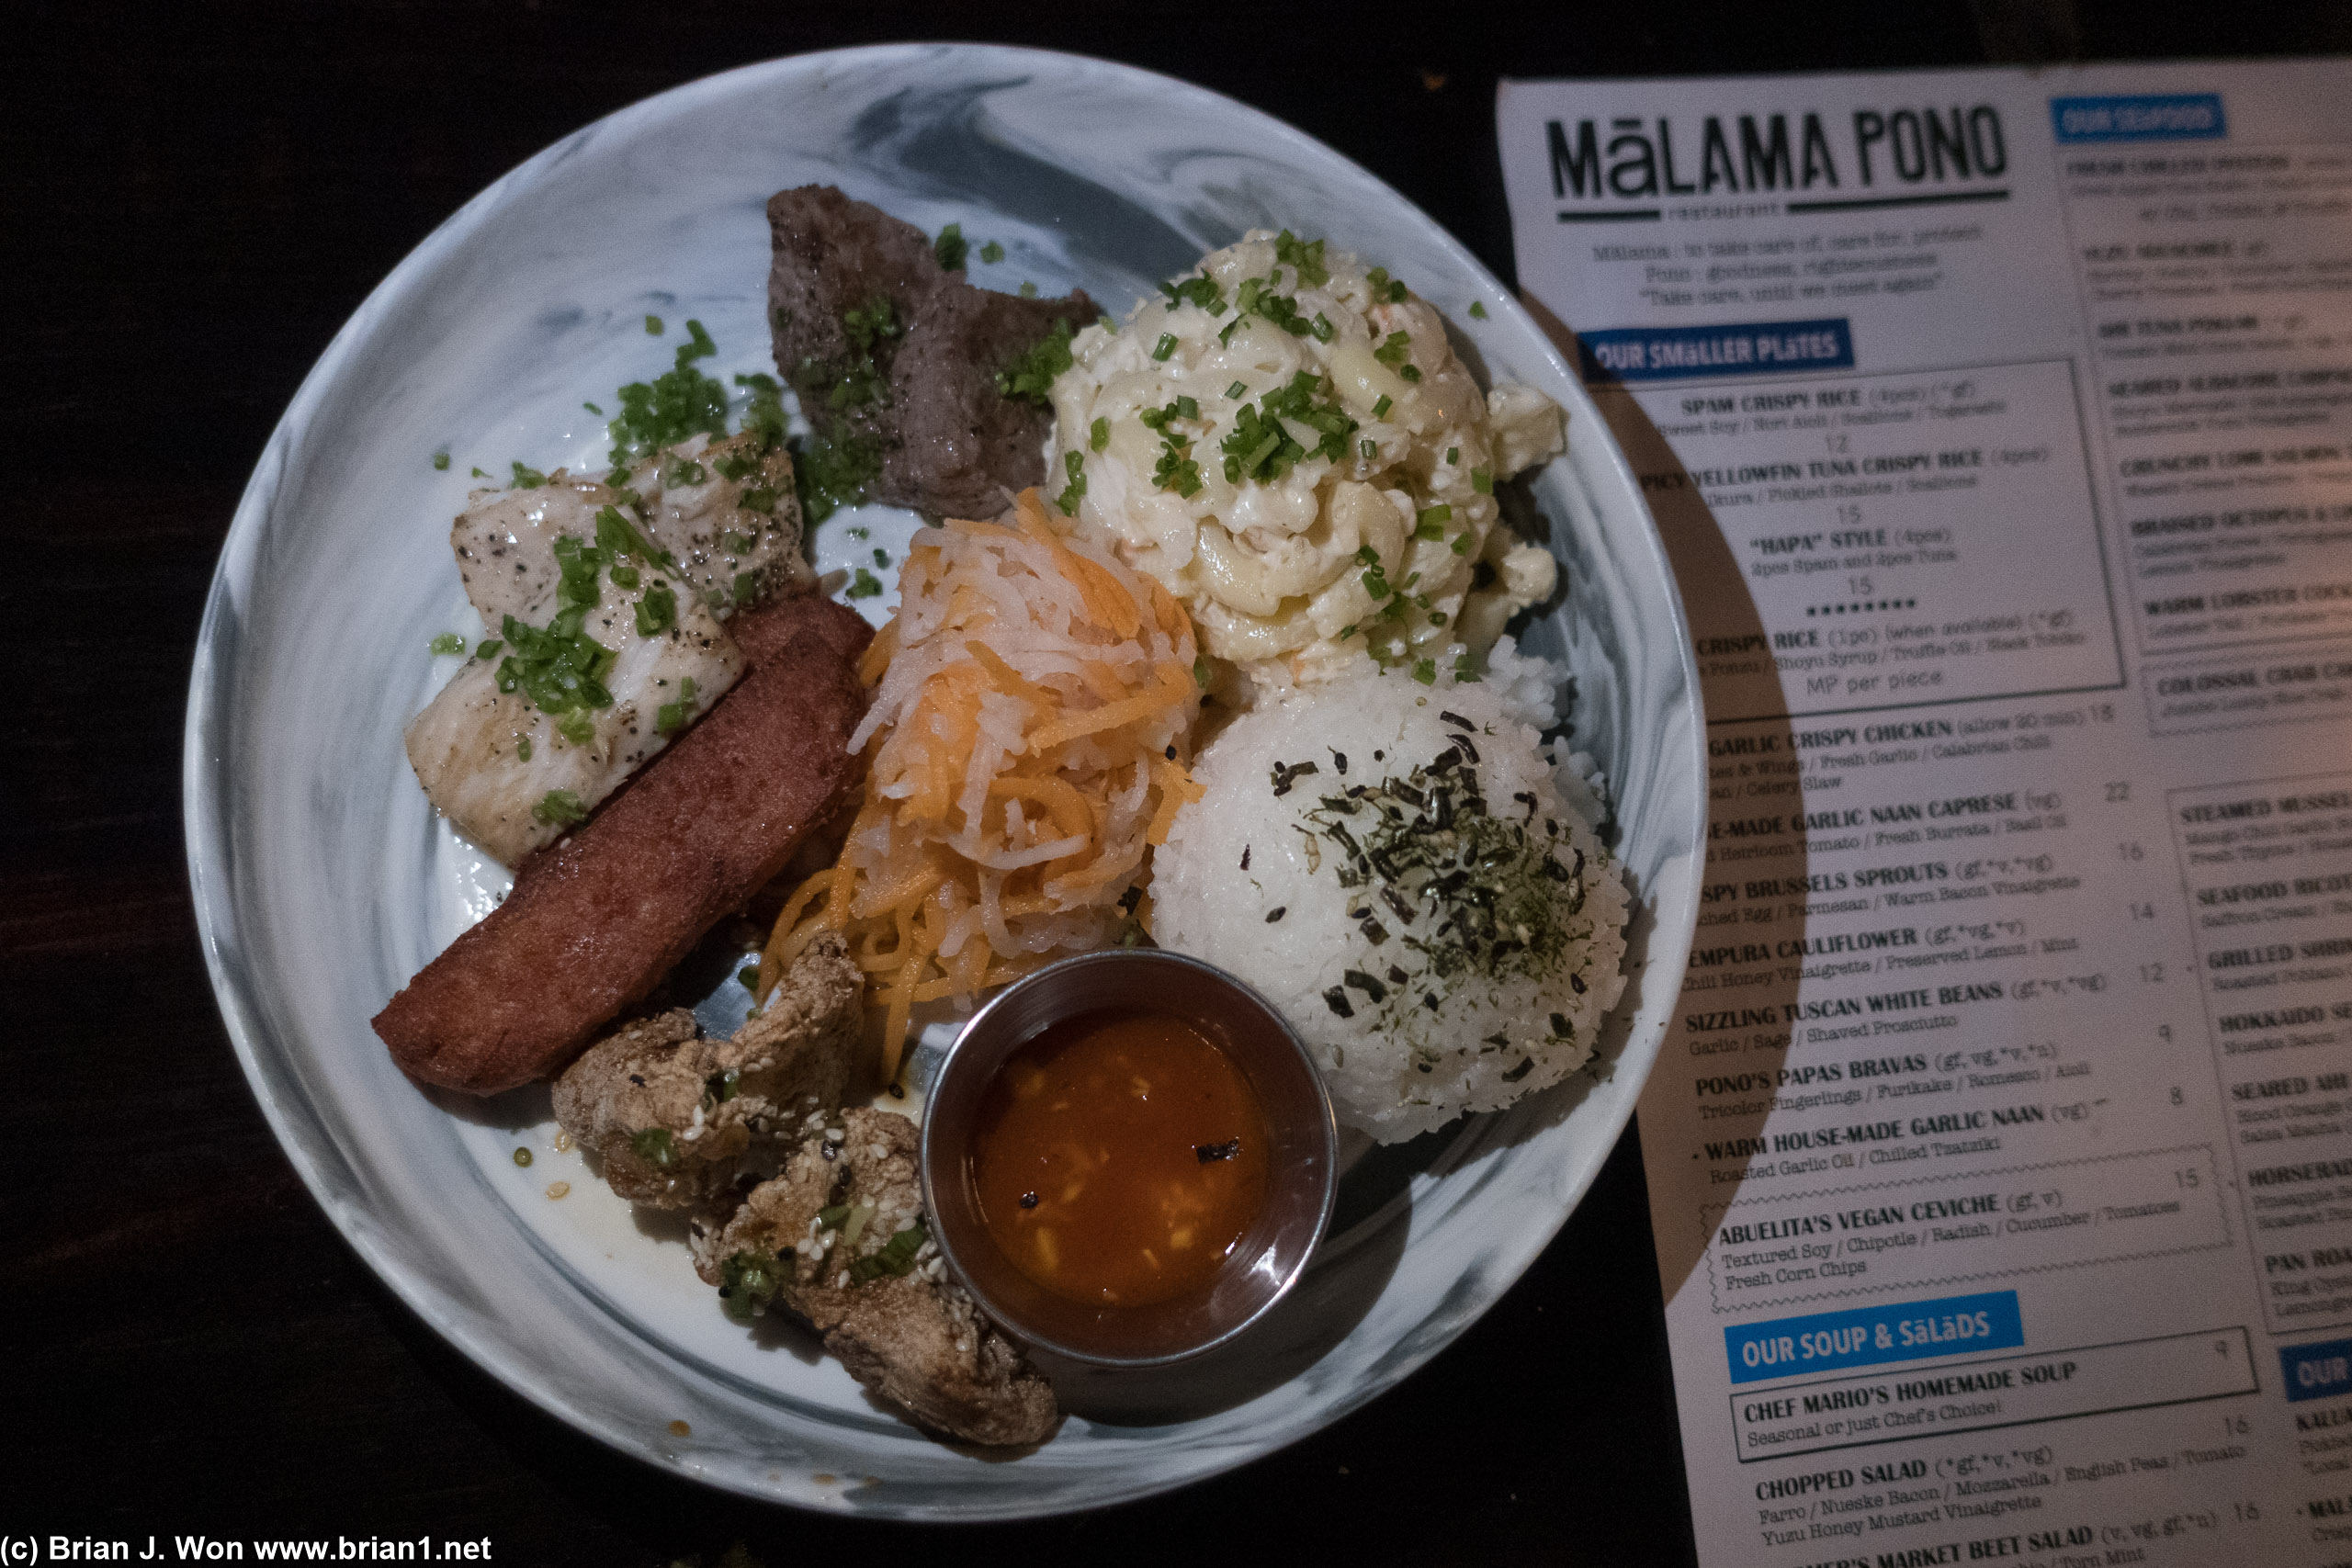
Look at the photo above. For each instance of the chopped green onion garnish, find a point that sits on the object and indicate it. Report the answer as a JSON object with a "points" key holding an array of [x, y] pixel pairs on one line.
{"points": [[440, 460], [1164, 347], [1380, 409], [448, 642], [1428, 514], [1425, 671], [653, 325], [1369, 448], [1201, 291], [1305, 256], [748, 1282], [1452, 456], [865, 585], [1477, 310], [1098, 434], [591, 407], [1482, 481], [480, 475], [881, 558], [559, 808], [528, 479], [1461, 544], [1201, 672], [1239, 389], [1031, 376], [488, 649], [653, 1145], [523, 747], [1028, 290], [1323, 329], [1437, 617], [949, 248], [1410, 372], [1074, 464], [897, 1257], [671, 718], [658, 611], [992, 253]]}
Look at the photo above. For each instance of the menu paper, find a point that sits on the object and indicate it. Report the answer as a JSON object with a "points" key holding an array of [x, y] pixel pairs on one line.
{"points": [[1999, 428]]}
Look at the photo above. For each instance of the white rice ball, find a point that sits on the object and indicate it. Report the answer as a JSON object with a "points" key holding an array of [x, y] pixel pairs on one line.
{"points": [[1409, 877]]}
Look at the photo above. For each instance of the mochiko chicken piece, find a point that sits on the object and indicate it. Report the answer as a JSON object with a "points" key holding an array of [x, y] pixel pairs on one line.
{"points": [[672, 1115], [838, 1239]]}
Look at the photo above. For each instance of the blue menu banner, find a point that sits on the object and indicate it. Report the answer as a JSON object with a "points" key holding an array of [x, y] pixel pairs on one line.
{"points": [[2316, 1371], [1876, 1336], [2143, 116], [1668, 354]]}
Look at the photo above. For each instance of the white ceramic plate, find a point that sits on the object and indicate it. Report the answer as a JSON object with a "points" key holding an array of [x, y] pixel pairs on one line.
{"points": [[322, 881]]}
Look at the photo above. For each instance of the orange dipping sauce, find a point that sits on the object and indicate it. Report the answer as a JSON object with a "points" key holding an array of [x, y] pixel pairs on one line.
{"points": [[1119, 1157]]}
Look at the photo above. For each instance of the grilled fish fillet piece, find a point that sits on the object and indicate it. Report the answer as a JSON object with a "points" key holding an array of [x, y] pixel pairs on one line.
{"points": [[915, 1338], [671, 1115], [491, 760], [728, 515], [596, 921], [694, 501]]}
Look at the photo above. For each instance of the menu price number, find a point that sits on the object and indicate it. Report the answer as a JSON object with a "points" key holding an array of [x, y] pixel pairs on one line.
{"points": [[1961, 1467], [2061, 985]]}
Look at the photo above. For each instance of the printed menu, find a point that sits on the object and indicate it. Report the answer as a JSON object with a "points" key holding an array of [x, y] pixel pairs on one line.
{"points": [[1999, 427]]}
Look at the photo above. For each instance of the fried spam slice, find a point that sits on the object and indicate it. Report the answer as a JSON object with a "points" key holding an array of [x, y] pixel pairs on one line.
{"points": [[598, 919], [671, 1115], [838, 1239]]}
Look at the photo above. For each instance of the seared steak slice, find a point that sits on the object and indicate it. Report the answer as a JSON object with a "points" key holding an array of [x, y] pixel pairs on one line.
{"points": [[889, 349]]}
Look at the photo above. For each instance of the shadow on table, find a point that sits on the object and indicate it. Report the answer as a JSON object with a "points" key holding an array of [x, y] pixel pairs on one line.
{"points": [[1739, 995]]}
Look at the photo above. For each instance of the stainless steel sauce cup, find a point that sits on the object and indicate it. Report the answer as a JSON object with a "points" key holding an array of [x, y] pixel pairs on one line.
{"points": [[1301, 1176]]}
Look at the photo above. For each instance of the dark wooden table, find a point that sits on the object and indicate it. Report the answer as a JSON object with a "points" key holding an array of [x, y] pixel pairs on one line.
{"points": [[192, 198]]}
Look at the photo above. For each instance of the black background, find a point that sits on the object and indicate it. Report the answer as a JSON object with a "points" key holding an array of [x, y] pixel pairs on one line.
{"points": [[192, 199]]}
